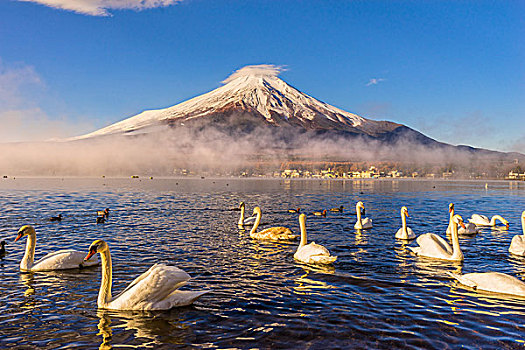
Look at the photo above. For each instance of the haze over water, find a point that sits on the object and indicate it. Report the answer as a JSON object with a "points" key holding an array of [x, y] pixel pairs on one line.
{"points": [[377, 294]]}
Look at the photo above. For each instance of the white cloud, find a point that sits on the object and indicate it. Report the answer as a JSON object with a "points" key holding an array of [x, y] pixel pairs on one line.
{"points": [[265, 70], [374, 81], [101, 7], [22, 91]]}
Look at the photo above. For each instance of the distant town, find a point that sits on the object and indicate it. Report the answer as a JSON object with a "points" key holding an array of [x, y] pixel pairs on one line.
{"points": [[346, 170]]}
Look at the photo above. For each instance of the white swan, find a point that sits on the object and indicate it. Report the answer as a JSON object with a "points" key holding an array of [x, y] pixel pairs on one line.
{"points": [[311, 253], [361, 224], [155, 289], [405, 232], [272, 233], [482, 220], [60, 260], [433, 246], [495, 282], [242, 221], [470, 228], [517, 246]]}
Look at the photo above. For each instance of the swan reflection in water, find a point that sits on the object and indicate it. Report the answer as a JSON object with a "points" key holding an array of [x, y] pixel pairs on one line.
{"points": [[307, 284], [27, 281], [153, 328]]}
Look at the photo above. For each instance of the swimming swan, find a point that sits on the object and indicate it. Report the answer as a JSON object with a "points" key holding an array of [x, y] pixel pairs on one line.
{"points": [[311, 253], [242, 221], [482, 220], [433, 246], [60, 260], [155, 289], [470, 228], [517, 246], [361, 224], [272, 233], [405, 232], [495, 282]]}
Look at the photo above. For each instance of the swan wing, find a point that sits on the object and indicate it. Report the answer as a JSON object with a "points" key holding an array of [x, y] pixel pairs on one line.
{"points": [[63, 260], [494, 282], [154, 290], [314, 254], [367, 223], [470, 229], [250, 220], [400, 234], [479, 220], [517, 246], [274, 234], [433, 246]]}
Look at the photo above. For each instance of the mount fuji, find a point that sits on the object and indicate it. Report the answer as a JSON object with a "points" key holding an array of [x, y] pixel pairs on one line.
{"points": [[255, 97]]}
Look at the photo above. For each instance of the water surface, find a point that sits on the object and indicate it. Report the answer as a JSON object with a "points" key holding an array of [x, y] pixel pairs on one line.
{"points": [[377, 294]]}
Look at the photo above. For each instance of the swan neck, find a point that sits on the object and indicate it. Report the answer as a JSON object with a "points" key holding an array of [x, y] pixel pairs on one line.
{"points": [[104, 294], [241, 219], [302, 225], [404, 222], [359, 215], [523, 224], [256, 223], [456, 250], [29, 256]]}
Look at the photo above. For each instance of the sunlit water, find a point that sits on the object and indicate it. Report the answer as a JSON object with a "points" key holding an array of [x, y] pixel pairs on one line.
{"points": [[377, 295]]}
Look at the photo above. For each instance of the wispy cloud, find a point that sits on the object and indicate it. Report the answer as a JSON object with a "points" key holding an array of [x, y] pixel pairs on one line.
{"points": [[22, 91], [102, 7], [374, 81], [266, 70]]}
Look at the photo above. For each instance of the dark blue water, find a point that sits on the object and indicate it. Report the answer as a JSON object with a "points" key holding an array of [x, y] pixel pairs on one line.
{"points": [[377, 294]]}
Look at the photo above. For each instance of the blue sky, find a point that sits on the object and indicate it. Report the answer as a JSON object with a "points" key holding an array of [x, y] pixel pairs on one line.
{"points": [[454, 70]]}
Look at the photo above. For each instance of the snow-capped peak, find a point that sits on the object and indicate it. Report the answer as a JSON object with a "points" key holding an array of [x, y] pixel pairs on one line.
{"points": [[252, 88]]}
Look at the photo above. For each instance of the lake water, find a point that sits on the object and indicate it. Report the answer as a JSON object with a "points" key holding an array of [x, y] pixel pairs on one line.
{"points": [[377, 294]]}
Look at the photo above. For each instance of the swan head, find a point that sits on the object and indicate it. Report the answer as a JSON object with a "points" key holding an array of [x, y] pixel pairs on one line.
{"points": [[404, 211], [25, 230], [97, 246], [3, 243], [302, 218], [458, 220], [256, 210], [360, 207], [241, 205], [451, 207]]}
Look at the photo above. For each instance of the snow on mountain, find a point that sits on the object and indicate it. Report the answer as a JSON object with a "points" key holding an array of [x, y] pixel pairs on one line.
{"points": [[254, 89]]}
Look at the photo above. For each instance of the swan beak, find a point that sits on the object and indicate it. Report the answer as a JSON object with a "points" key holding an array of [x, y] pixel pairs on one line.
{"points": [[507, 225], [20, 235], [462, 224], [90, 254]]}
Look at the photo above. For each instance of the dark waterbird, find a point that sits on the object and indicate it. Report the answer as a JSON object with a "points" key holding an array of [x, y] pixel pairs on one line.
{"points": [[2, 249], [56, 218]]}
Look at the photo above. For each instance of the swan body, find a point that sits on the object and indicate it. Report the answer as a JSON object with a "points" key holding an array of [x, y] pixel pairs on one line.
{"points": [[361, 224], [60, 260], [298, 210], [104, 212], [311, 253], [482, 220], [320, 213], [517, 246], [405, 232], [155, 289], [435, 247], [495, 282], [245, 221], [279, 233], [469, 229]]}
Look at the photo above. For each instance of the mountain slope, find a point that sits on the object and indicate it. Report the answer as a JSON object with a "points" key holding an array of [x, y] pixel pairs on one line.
{"points": [[269, 99]]}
